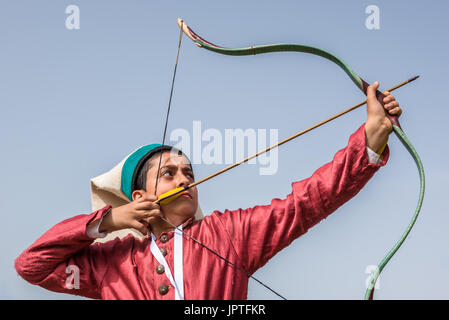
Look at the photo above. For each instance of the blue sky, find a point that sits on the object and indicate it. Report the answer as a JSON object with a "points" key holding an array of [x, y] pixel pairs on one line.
{"points": [[75, 102]]}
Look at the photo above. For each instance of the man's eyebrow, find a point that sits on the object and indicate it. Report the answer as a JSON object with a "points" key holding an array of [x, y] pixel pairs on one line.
{"points": [[171, 166], [189, 168]]}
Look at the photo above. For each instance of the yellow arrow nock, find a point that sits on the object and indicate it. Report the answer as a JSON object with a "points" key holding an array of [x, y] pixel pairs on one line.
{"points": [[166, 196]]}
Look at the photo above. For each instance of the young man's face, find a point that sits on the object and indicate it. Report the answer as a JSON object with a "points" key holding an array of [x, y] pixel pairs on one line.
{"points": [[175, 171]]}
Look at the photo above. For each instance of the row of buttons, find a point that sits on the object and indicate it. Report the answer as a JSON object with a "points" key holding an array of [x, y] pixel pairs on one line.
{"points": [[163, 288]]}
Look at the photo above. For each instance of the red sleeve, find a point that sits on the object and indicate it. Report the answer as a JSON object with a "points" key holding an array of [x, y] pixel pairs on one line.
{"points": [[258, 233], [62, 250]]}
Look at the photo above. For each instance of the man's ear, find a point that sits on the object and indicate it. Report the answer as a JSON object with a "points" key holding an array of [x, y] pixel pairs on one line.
{"points": [[137, 194]]}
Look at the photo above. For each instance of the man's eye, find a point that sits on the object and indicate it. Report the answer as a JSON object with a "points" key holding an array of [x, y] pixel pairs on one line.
{"points": [[166, 173]]}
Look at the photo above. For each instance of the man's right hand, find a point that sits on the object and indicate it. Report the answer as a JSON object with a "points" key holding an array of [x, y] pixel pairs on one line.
{"points": [[137, 214]]}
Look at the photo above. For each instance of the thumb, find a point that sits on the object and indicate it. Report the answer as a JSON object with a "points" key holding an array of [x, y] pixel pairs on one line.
{"points": [[371, 91]]}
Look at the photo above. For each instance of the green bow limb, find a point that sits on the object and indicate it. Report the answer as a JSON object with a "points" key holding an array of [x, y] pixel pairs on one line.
{"points": [[362, 85]]}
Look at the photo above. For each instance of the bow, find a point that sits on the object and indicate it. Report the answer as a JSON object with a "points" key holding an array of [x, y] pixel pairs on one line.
{"points": [[361, 84]]}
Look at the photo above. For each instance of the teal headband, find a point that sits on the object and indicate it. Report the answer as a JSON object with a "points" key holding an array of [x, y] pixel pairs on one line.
{"points": [[133, 164]]}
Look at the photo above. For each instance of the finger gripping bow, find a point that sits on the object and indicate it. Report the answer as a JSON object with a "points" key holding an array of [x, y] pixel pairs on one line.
{"points": [[362, 85]]}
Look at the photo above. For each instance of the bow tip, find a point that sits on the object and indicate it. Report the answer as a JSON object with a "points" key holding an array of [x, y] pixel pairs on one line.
{"points": [[188, 32]]}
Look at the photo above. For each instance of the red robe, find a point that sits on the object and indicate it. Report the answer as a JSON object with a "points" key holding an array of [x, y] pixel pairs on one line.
{"points": [[126, 269]]}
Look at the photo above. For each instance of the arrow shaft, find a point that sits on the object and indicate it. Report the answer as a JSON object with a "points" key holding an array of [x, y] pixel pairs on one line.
{"points": [[281, 142]]}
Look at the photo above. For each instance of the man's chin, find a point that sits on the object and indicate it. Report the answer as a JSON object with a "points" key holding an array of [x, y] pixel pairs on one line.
{"points": [[186, 210]]}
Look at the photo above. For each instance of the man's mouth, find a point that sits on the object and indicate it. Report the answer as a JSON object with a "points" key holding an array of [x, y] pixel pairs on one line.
{"points": [[186, 194]]}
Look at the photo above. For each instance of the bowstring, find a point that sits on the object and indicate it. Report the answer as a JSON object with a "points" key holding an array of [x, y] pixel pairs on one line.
{"points": [[168, 109]]}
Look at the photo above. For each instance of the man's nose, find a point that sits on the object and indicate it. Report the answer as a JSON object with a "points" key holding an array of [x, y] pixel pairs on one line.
{"points": [[182, 181]]}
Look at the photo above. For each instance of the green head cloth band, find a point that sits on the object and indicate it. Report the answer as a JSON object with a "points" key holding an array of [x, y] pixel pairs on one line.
{"points": [[134, 163]]}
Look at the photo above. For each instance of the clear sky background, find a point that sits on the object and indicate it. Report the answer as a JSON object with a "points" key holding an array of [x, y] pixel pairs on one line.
{"points": [[75, 102]]}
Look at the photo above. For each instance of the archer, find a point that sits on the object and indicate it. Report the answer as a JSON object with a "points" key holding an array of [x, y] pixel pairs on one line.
{"points": [[168, 263]]}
